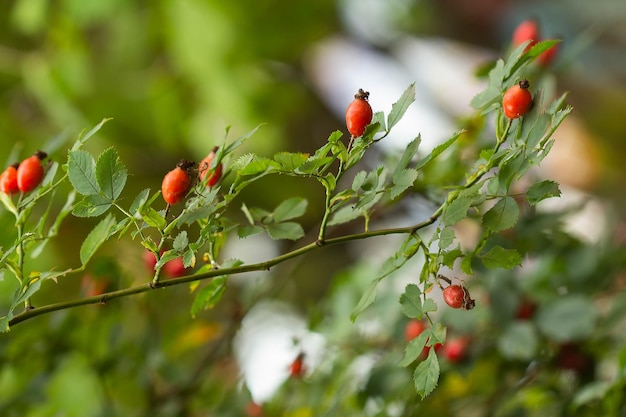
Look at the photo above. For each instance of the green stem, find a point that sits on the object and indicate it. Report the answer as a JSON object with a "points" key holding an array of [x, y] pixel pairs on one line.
{"points": [[261, 266], [322, 235]]}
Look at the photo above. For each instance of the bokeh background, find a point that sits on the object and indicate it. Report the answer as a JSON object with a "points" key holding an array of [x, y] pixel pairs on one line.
{"points": [[174, 75]]}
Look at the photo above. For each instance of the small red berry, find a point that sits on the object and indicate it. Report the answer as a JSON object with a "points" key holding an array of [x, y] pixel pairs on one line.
{"points": [[359, 113], [297, 368], [454, 350], [546, 57], [176, 183], [30, 172], [413, 329], [528, 30], [8, 180], [517, 100], [203, 169], [525, 310], [457, 296], [174, 268]]}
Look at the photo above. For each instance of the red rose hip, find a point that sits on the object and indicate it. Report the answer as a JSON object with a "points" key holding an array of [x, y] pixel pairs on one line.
{"points": [[176, 183], [528, 30], [8, 180], [204, 171], [359, 113], [517, 100], [30, 172], [457, 296]]}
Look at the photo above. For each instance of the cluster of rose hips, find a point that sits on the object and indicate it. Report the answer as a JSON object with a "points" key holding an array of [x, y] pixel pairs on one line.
{"points": [[177, 183], [23, 177], [528, 30], [454, 350]]}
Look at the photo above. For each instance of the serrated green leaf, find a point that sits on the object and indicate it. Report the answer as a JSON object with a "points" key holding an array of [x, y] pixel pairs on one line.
{"points": [[411, 301], [502, 216], [208, 296], [438, 335], [153, 218], [399, 107], [92, 206], [290, 161], [493, 93], [407, 156], [448, 258], [290, 209], [499, 257], [426, 375], [181, 241], [258, 165], [139, 201], [456, 210], [466, 264], [414, 349], [446, 237], [82, 172], [286, 230], [235, 144], [111, 174], [359, 180], [542, 190], [345, 214], [437, 150], [85, 137], [403, 182], [96, 238], [249, 230], [368, 297], [534, 131]]}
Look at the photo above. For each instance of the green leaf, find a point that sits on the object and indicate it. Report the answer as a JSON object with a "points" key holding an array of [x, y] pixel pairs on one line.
{"points": [[256, 166], [407, 156], [466, 264], [446, 237], [448, 258], [346, 214], [92, 206], [235, 144], [290, 209], [153, 218], [287, 230], [438, 150], [456, 210], [411, 301], [493, 93], [414, 348], [139, 201], [249, 230], [402, 182], [568, 318], [111, 174], [181, 242], [519, 341], [85, 137], [96, 238], [542, 190], [426, 374], [82, 172], [208, 296], [290, 161], [536, 131], [399, 107], [368, 297], [502, 216], [359, 180], [499, 257]]}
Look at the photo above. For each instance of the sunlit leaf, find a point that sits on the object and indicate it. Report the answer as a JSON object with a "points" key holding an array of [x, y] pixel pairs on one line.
{"points": [[399, 107], [290, 209], [502, 216], [96, 238], [457, 210], [82, 172], [208, 296], [542, 190], [111, 174], [499, 257], [92, 206], [426, 375]]}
